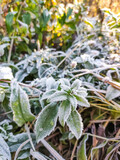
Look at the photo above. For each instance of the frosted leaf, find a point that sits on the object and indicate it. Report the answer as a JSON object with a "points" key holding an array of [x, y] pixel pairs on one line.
{"points": [[6, 73]]}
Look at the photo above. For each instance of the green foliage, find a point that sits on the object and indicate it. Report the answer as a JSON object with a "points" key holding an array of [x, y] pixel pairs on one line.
{"points": [[95, 150], [20, 105], [46, 121], [112, 93], [81, 152], [75, 124], [4, 150], [58, 89], [9, 22], [67, 109], [64, 111]]}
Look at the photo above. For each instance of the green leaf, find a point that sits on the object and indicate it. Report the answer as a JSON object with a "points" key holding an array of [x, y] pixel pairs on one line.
{"points": [[50, 82], [81, 152], [15, 141], [9, 22], [73, 101], [4, 150], [82, 101], [26, 18], [64, 81], [75, 124], [58, 96], [64, 112], [19, 103], [6, 107], [40, 37], [46, 121], [112, 93], [23, 47], [24, 155], [95, 150], [81, 92], [69, 12], [76, 84], [48, 94]]}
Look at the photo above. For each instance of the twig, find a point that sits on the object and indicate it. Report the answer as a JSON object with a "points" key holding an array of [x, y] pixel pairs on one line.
{"points": [[106, 139], [22, 84], [107, 109], [10, 50], [5, 113], [102, 121], [97, 69], [73, 152]]}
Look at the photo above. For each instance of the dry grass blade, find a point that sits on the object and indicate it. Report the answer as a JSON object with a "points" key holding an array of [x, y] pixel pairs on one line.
{"points": [[104, 138], [108, 155], [28, 132]]}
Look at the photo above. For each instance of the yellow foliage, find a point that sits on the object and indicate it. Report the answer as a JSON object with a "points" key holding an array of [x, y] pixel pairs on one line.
{"points": [[5, 2]]}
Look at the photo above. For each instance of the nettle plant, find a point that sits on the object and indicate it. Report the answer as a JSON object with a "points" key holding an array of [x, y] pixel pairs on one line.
{"points": [[62, 102], [59, 100]]}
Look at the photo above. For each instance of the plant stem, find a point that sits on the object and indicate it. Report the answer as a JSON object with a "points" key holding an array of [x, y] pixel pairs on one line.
{"points": [[106, 139], [10, 51], [28, 132], [73, 152]]}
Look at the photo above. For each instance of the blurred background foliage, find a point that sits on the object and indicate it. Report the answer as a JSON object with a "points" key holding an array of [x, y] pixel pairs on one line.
{"points": [[36, 24]]}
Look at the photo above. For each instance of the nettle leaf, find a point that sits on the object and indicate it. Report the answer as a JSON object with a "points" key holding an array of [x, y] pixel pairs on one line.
{"points": [[82, 101], [50, 82], [19, 103], [76, 84], [75, 124], [26, 18], [73, 101], [112, 93], [81, 152], [58, 96], [64, 111], [81, 92], [95, 150], [46, 121], [65, 87], [9, 22], [4, 150], [64, 81], [48, 94]]}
